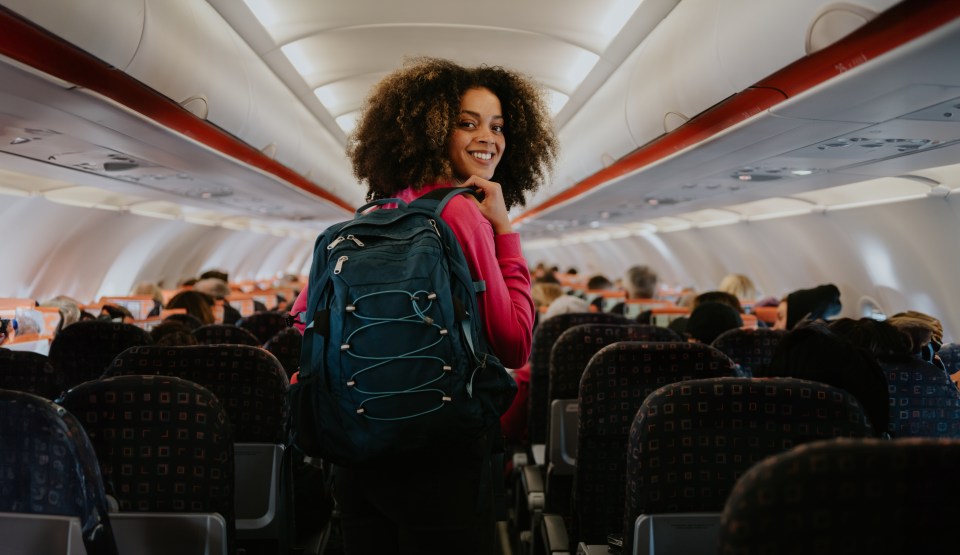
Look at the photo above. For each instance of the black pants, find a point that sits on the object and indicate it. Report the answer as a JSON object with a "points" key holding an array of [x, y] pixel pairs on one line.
{"points": [[428, 510]]}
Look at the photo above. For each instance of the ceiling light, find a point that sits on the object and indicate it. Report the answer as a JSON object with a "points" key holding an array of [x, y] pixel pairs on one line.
{"points": [[801, 172]]}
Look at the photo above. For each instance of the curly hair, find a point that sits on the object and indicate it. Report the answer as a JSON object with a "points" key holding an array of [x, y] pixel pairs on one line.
{"points": [[401, 138]]}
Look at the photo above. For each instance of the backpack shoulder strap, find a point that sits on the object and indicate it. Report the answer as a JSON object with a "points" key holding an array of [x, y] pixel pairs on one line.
{"points": [[440, 196]]}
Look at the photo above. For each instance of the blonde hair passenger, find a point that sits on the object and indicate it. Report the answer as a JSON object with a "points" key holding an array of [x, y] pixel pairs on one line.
{"points": [[738, 285]]}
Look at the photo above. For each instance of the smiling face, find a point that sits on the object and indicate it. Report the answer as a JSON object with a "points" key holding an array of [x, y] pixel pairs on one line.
{"points": [[477, 142]]}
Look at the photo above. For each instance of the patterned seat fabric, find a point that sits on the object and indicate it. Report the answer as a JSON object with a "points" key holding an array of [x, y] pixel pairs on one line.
{"points": [[617, 380], [847, 496], [950, 355], [752, 350], [249, 382], [923, 401], [164, 444], [264, 325], [225, 334], [285, 345], [47, 466], [544, 336], [32, 373], [690, 441], [82, 351]]}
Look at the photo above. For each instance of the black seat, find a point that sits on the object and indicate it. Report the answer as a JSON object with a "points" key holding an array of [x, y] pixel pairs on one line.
{"points": [[32, 373], [264, 325], [224, 334], [923, 400], [752, 350], [48, 467], [82, 351]]}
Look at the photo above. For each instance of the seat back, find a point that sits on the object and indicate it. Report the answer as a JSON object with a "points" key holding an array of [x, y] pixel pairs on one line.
{"points": [[249, 382], [614, 385], [751, 349], [847, 496], [32, 373], [544, 336], [690, 441], [164, 444], [264, 325], [82, 351], [224, 334], [923, 400], [285, 345], [48, 467], [666, 534], [950, 356]]}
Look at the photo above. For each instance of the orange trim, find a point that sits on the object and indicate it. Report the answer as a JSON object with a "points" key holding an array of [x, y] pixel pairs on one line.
{"points": [[900, 24], [29, 44]]}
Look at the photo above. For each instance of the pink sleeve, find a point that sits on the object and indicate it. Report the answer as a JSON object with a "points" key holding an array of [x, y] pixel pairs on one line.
{"points": [[299, 305], [506, 307]]}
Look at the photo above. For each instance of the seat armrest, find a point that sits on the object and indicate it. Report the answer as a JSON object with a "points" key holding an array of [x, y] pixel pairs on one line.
{"points": [[532, 481], [539, 452], [555, 539], [592, 549]]}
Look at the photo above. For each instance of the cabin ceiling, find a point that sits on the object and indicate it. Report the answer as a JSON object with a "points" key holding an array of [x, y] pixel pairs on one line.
{"points": [[622, 76]]}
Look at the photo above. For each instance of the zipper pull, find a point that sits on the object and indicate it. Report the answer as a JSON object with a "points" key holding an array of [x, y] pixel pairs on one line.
{"points": [[434, 224], [339, 267], [355, 240], [336, 242]]}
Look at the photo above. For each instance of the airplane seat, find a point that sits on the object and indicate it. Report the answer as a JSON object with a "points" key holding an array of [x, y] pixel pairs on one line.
{"points": [[923, 401], [224, 334], [49, 467], [264, 324], [285, 345], [189, 320], [31, 373], [751, 349], [83, 350], [613, 387], [691, 440], [164, 445], [251, 384], [849, 496], [950, 356]]}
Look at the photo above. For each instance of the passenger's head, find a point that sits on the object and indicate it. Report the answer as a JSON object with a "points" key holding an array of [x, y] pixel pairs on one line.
{"points": [[818, 303], [925, 332], [717, 297], [215, 274], [115, 313], [878, 338], [216, 288], [197, 304], [711, 319], [148, 288], [565, 304], [435, 121], [69, 310], [739, 286], [172, 333], [598, 282], [545, 293], [813, 352], [640, 282]]}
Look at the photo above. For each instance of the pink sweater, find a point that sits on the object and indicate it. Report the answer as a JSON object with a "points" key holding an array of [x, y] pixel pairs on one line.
{"points": [[506, 307]]}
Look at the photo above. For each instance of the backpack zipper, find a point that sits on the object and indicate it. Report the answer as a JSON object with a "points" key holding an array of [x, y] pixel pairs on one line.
{"points": [[341, 239], [339, 267], [434, 224]]}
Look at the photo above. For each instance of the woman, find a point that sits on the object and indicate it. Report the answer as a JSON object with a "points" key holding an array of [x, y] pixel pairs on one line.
{"points": [[436, 124]]}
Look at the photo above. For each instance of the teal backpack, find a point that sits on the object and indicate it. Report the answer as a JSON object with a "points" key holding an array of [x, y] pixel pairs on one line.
{"points": [[394, 357]]}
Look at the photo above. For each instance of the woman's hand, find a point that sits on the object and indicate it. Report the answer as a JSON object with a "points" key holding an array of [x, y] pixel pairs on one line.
{"points": [[493, 207]]}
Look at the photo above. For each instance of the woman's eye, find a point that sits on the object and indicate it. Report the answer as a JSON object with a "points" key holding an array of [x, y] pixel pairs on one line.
{"points": [[467, 124], [498, 128]]}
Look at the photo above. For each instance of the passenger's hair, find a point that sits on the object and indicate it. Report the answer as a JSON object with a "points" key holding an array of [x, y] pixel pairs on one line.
{"points": [[401, 138], [812, 352], [710, 319], [115, 312], [172, 333], [192, 322], [215, 287], [545, 293], [738, 285], [69, 310], [717, 297], [599, 281], [197, 304], [216, 274], [879, 338], [921, 328], [148, 288], [565, 304], [640, 282]]}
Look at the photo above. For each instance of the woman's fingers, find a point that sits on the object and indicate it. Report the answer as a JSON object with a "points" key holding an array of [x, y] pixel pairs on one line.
{"points": [[493, 207]]}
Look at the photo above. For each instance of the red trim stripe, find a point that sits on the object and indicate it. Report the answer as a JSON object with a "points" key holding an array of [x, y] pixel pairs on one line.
{"points": [[900, 24], [33, 46]]}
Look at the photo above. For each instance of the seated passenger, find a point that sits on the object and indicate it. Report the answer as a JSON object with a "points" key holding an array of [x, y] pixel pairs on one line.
{"points": [[925, 332], [153, 291], [172, 333], [197, 304], [739, 286], [813, 352], [711, 319], [818, 303], [639, 282], [115, 313], [879, 338], [219, 290]]}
